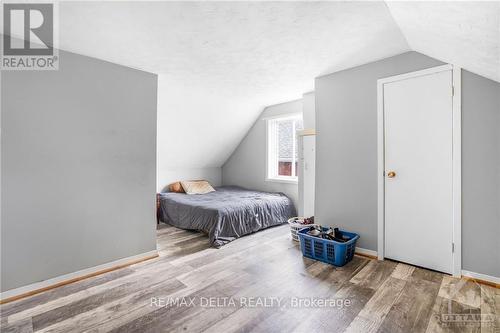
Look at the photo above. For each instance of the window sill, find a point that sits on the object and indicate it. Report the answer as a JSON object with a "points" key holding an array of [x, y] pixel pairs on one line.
{"points": [[283, 180]]}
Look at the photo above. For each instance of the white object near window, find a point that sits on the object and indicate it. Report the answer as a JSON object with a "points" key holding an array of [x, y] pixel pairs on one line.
{"points": [[282, 148]]}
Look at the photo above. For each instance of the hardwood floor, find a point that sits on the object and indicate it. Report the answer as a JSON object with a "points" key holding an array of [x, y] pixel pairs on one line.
{"points": [[259, 283]]}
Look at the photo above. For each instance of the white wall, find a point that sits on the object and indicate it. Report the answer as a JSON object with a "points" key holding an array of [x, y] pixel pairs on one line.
{"points": [[78, 168], [247, 165], [168, 175], [177, 128], [309, 110]]}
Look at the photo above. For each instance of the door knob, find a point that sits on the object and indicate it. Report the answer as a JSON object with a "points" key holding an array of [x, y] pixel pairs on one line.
{"points": [[391, 174]]}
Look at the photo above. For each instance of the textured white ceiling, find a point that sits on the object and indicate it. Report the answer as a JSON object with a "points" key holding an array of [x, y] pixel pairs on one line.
{"points": [[221, 63], [466, 34]]}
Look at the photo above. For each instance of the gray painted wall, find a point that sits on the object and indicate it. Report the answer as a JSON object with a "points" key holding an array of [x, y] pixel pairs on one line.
{"points": [[247, 165], [346, 156], [78, 168], [480, 174]]}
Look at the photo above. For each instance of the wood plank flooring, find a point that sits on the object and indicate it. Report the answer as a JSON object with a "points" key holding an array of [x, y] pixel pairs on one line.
{"points": [[258, 283]]}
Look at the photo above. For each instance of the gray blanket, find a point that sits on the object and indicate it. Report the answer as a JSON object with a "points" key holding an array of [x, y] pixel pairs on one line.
{"points": [[228, 213]]}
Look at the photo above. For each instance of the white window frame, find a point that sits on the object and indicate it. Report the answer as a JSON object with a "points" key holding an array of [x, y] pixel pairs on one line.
{"points": [[271, 147]]}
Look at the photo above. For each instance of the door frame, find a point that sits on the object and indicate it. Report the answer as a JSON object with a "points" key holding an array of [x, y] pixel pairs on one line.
{"points": [[456, 160]]}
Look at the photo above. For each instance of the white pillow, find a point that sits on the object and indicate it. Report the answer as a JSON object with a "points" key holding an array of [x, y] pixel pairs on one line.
{"points": [[197, 187]]}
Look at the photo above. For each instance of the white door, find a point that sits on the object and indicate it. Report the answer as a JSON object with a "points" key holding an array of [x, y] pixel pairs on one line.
{"points": [[418, 170], [307, 175]]}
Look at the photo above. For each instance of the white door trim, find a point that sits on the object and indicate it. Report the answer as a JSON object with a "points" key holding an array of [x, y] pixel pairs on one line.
{"points": [[457, 160]]}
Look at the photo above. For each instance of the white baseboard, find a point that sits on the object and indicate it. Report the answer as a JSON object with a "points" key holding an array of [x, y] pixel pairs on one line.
{"points": [[366, 252], [67, 278], [479, 276]]}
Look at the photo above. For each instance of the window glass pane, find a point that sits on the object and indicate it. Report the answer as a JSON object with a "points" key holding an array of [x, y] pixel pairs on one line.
{"points": [[285, 147]]}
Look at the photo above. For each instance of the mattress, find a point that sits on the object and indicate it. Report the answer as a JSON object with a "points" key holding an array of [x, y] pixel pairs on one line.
{"points": [[226, 214]]}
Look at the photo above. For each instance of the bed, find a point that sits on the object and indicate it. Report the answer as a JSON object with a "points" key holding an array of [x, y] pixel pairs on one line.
{"points": [[226, 214]]}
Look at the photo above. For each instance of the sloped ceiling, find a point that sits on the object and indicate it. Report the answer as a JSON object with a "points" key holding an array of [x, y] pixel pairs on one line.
{"points": [[221, 63], [466, 34]]}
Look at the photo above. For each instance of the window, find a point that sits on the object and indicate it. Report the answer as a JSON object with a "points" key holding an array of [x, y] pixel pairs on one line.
{"points": [[282, 152]]}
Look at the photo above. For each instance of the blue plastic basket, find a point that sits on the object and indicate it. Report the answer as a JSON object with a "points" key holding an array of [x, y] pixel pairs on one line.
{"points": [[331, 252]]}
